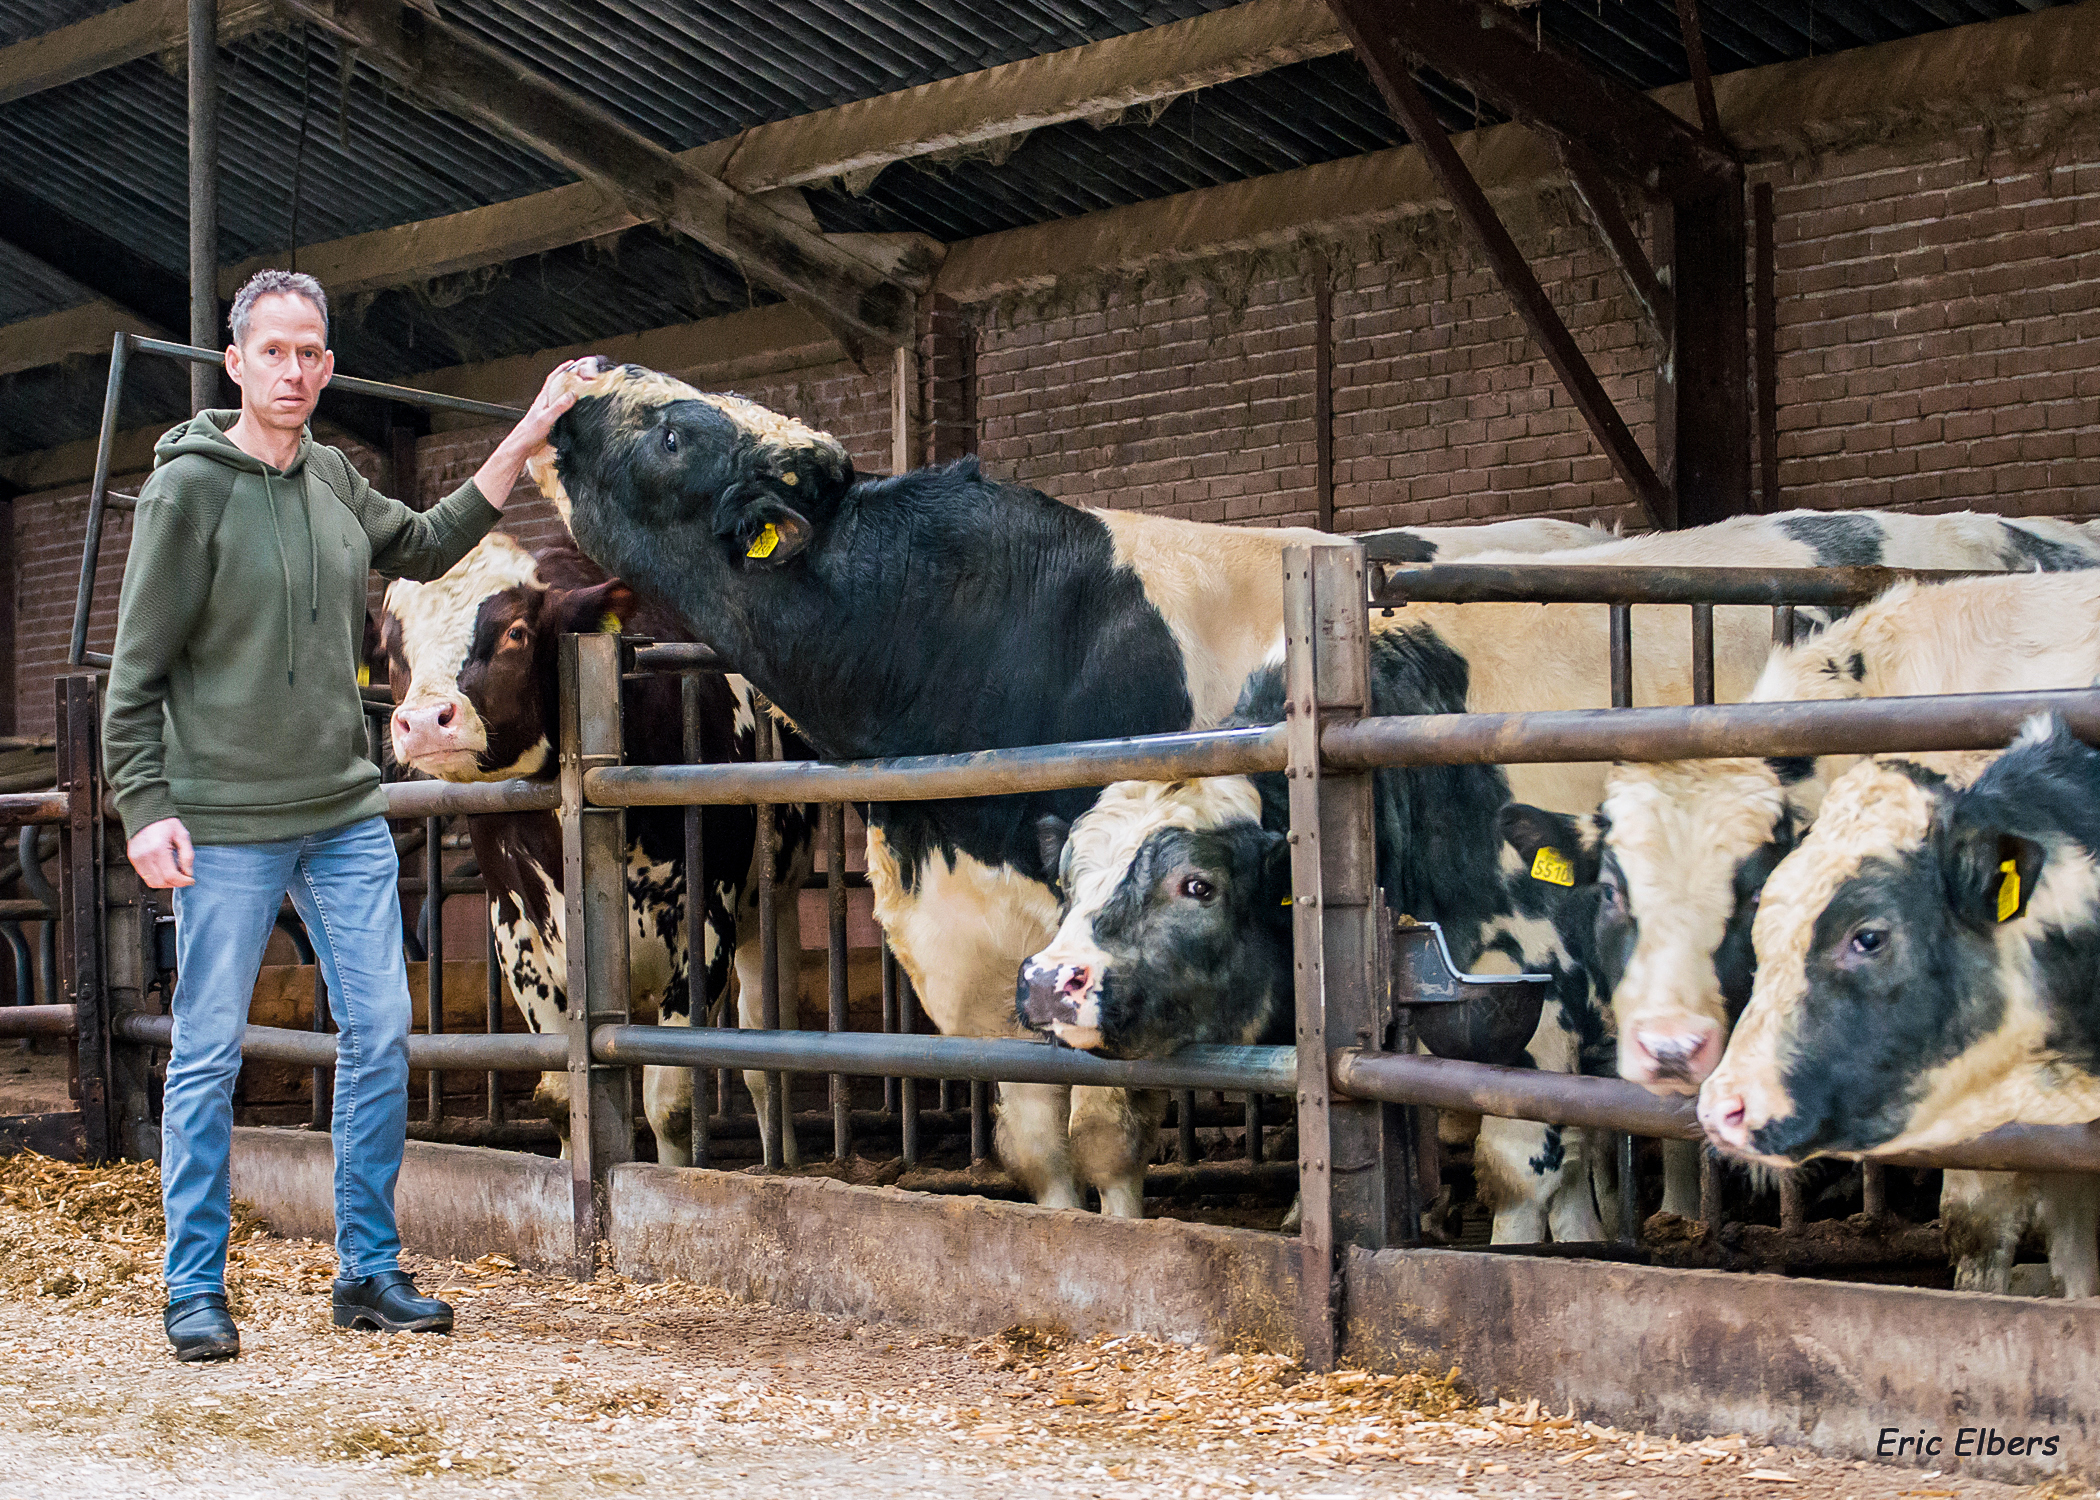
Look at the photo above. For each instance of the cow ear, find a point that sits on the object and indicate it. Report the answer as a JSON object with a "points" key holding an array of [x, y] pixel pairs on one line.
{"points": [[1050, 834], [771, 534], [780, 496], [1990, 874], [1551, 847], [607, 606]]}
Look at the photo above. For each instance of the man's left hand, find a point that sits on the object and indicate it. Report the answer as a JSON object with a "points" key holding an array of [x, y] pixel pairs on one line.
{"points": [[499, 475]]}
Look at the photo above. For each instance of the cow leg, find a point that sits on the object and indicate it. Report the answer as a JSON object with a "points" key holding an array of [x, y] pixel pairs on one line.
{"points": [[1983, 1215], [550, 1096], [1681, 1178], [2069, 1209], [1571, 1213], [750, 1013], [667, 1099], [1517, 1168], [1112, 1135], [1601, 1147], [1032, 1142]]}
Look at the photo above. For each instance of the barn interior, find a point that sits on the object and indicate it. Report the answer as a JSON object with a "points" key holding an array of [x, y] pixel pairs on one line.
{"points": [[1281, 262]]}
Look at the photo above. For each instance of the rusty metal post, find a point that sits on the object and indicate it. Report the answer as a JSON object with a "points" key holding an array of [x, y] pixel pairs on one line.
{"points": [[434, 955], [1873, 1189], [698, 998], [835, 970], [1333, 878], [772, 1133], [204, 196], [594, 897], [908, 1088], [890, 1086], [1793, 1212], [1185, 1127], [1251, 1117], [494, 1111], [1622, 697], [80, 893], [980, 1120]]}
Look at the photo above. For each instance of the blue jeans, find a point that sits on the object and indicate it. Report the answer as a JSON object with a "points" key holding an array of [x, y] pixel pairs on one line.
{"points": [[342, 882]]}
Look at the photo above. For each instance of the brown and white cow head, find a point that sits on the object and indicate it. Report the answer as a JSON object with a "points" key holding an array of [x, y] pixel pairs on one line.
{"points": [[470, 657], [1688, 848], [1925, 960]]}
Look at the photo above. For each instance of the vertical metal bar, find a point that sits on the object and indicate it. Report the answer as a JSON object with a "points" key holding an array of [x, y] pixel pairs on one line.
{"points": [[204, 195], [1702, 653], [1253, 1119], [889, 1022], [1340, 1168], [908, 1088], [1764, 299], [1873, 1189], [980, 1120], [1629, 1188], [1402, 1148], [98, 498], [1323, 389], [594, 896], [80, 890], [699, 998], [1792, 1211], [835, 971], [1710, 1209], [434, 953], [494, 1109], [1782, 625], [1622, 697], [772, 1132], [1185, 1127]]}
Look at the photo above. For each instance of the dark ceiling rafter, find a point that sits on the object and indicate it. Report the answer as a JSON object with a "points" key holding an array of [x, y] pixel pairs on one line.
{"points": [[863, 306], [106, 266]]}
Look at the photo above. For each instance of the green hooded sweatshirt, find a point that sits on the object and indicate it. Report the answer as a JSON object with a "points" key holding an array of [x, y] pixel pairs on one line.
{"points": [[233, 699]]}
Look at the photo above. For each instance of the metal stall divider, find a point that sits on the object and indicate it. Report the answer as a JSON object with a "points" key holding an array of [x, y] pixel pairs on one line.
{"points": [[434, 957], [777, 1118], [698, 999], [81, 863], [835, 971]]}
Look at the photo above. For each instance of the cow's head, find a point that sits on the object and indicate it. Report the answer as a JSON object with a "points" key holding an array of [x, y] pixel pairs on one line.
{"points": [[1688, 846], [1177, 924], [641, 452], [470, 657], [1911, 952]]}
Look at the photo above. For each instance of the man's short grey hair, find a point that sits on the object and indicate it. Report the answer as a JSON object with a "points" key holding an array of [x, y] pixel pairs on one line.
{"points": [[271, 284]]}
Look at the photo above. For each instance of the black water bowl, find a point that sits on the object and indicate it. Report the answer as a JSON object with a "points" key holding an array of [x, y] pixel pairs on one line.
{"points": [[1482, 1018]]}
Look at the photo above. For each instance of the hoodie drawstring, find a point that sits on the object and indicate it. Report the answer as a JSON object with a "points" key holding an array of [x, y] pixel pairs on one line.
{"points": [[285, 563]]}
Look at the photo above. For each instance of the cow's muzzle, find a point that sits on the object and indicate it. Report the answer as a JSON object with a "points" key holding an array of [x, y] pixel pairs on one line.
{"points": [[437, 737], [1052, 998]]}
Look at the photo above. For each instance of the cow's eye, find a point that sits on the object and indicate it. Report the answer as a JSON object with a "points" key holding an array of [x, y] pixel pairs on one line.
{"points": [[1196, 888], [1869, 941], [670, 440], [515, 636]]}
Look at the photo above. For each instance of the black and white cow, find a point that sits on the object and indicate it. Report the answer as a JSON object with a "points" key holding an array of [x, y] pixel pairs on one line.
{"points": [[471, 660], [1926, 964], [1527, 536], [1176, 928]]}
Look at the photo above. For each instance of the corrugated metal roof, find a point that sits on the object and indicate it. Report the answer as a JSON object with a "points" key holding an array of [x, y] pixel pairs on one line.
{"points": [[110, 151], [29, 288]]}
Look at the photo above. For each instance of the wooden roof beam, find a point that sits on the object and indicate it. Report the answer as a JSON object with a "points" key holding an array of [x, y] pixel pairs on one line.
{"points": [[861, 304], [1080, 83], [1482, 46], [86, 329], [113, 38]]}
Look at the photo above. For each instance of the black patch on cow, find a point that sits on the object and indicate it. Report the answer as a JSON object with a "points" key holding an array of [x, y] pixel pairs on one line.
{"points": [[1838, 540], [1552, 1154], [1856, 664], [1792, 770], [1403, 547], [2025, 552], [933, 612]]}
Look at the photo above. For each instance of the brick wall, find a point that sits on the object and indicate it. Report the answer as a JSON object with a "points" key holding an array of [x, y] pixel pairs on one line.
{"points": [[1939, 338]]}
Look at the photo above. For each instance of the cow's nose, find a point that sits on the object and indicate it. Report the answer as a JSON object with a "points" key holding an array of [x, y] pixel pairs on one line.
{"points": [[1048, 995], [1682, 1055], [445, 716], [1723, 1116], [591, 366]]}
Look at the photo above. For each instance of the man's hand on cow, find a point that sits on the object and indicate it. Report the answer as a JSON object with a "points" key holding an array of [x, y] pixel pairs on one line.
{"points": [[499, 475], [162, 854]]}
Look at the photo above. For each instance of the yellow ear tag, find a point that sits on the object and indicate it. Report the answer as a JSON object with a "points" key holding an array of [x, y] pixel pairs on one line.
{"points": [[791, 478], [1553, 867], [364, 674], [1286, 901], [2008, 891], [763, 544], [608, 624]]}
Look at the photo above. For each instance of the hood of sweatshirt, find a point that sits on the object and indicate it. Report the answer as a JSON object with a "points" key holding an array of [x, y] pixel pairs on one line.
{"points": [[204, 435]]}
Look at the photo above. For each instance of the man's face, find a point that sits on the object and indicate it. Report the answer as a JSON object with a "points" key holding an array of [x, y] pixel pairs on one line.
{"points": [[284, 362]]}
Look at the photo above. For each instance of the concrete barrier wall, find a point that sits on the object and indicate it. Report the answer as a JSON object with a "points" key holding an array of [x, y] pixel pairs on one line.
{"points": [[1828, 1365], [458, 1201], [961, 1265]]}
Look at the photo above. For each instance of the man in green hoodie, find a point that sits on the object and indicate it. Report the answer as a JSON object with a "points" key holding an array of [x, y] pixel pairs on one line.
{"points": [[235, 745]]}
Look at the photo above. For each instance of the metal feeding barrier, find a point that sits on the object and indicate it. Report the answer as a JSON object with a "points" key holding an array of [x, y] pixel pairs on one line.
{"points": [[1368, 989]]}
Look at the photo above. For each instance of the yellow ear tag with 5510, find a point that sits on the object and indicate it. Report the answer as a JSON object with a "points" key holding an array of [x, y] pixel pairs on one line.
{"points": [[364, 674], [1553, 867], [2008, 890], [763, 544], [609, 624]]}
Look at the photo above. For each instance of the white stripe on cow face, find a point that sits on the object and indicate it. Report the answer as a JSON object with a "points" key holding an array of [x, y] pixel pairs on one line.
{"points": [[437, 633], [1098, 852]]}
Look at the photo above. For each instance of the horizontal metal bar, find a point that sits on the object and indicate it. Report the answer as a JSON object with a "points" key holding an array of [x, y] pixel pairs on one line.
{"points": [[507, 1052], [1614, 1104], [27, 911], [416, 885], [407, 395], [920, 778], [438, 799], [18, 808], [1514, 1093], [1969, 721], [1267, 1070], [39, 1020], [1574, 583], [678, 656]]}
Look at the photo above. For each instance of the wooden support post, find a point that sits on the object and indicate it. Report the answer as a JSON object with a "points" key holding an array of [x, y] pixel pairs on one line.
{"points": [[594, 898], [80, 900], [1765, 299], [904, 409], [1322, 274], [1607, 216], [948, 380], [204, 197], [1334, 882], [1702, 393]]}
